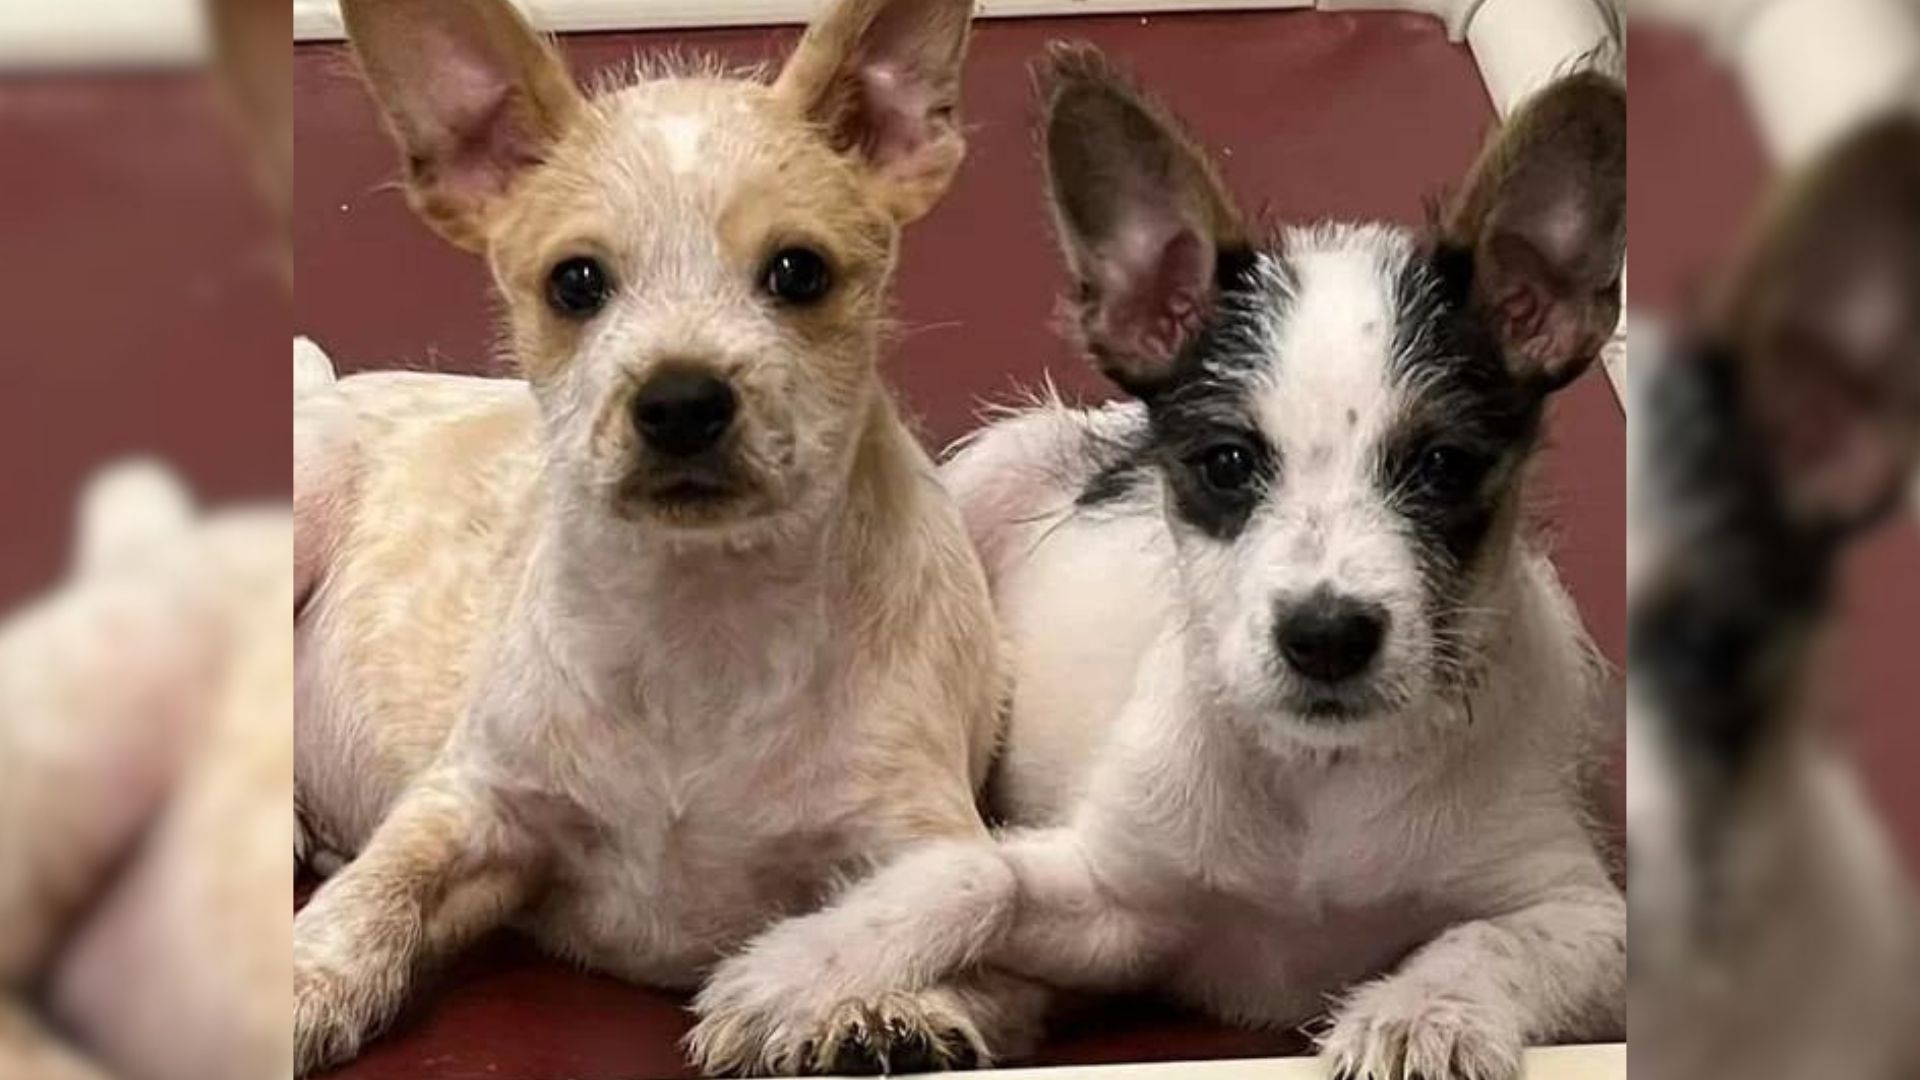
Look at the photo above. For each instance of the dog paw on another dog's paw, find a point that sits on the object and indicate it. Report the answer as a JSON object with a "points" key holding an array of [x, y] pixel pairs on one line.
{"points": [[1390, 1032], [896, 1033], [900, 1033], [327, 1029]]}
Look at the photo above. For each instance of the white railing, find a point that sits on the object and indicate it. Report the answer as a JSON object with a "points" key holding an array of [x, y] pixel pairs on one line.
{"points": [[52, 34]]}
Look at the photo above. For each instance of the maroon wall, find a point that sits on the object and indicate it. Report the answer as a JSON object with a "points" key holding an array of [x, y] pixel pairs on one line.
{"points": [[142, 310]]}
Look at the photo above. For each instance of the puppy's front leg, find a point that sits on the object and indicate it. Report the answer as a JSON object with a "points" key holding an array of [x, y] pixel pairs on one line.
{"points": [[1466, 1005], [948, 941], [448, 864], [773, 1008]]}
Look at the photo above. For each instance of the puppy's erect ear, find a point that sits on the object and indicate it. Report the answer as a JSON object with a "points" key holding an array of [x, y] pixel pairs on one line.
{"points": [[1142, 216], [472, 95], [1824, 318], [881, 78], [1543, 215]]}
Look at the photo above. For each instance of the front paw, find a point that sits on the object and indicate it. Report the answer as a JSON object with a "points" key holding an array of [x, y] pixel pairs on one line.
{"points": [[1394, 1030], [900, 1032], [329, 1020]]}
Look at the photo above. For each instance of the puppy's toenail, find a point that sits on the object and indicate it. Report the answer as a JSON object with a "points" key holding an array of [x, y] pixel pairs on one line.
{"points": [[911, 1052], [857, 1056], [958, 1051]]}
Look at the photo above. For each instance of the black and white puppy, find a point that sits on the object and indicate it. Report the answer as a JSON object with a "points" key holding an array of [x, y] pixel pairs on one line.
{"points": [[1764, 443], [1299, 711]]}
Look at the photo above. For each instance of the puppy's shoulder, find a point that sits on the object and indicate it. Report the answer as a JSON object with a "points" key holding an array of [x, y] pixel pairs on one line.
{"points": [[408, 398], [436, 438], [1035, 463], [421, 490]]}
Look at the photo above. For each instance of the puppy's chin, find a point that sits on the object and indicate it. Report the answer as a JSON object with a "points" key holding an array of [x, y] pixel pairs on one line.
{"points": [[1337, 705], [1293, 716], [1374, 694], [705, 503]]}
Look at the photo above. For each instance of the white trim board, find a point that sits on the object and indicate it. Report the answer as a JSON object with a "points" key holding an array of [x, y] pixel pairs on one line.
{"points": [[38, 35], [319, 20], [1600, 1062]]}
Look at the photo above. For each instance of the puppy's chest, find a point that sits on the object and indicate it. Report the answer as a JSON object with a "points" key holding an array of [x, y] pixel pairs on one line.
{"points": [[1324, 886], [1341, 870], [1330, 864], [719, 806], [1319, 838], [1271, 963]]}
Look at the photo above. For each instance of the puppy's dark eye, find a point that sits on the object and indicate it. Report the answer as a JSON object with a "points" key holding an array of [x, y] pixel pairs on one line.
{"points": [[797, 275], [1448, 472], [1226, 467], [578, 287]]}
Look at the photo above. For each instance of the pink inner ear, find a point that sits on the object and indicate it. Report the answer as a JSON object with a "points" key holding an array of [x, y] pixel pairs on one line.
{"points": [[1155, 293], [471, 139], [1550, 332], [1531, 325], [896, 114], [465, 90], [489, 155]]}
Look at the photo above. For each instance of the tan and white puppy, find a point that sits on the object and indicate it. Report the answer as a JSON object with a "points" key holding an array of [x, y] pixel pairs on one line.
{"points": [[1300, 711], [647, 648]]}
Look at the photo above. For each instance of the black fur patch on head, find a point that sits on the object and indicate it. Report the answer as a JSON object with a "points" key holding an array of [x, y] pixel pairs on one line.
{"points": [[1206, 408], [1455, 456]]}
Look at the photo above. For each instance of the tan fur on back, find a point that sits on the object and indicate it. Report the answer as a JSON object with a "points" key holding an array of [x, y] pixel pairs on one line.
{"points": [[438, 537]]}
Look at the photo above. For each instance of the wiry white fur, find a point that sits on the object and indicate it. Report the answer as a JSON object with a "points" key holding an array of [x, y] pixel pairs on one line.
{"points": [[1058, 596], [1429, 868], [682, 136]]}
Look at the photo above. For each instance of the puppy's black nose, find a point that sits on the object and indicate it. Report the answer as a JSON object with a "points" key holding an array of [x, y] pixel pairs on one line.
{"points": [[1329, 637], [682, 411]]}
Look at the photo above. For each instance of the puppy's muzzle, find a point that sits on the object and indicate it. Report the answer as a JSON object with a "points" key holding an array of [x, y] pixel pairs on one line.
{"points": [[682, 412]]}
